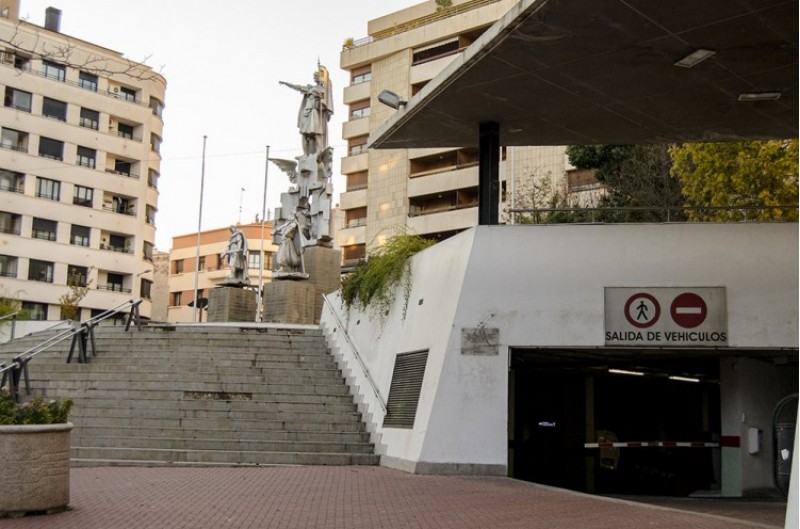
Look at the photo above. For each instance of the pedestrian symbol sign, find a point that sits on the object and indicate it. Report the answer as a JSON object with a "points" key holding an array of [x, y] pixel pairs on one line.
{"points": [[666, 316]]}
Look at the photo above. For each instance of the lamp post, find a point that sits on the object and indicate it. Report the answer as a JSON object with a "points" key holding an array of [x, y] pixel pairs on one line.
{"points": [[199, 226], [260, 297]]}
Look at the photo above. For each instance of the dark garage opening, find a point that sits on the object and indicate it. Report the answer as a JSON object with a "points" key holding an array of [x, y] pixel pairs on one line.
{"points": [[563, 403]]}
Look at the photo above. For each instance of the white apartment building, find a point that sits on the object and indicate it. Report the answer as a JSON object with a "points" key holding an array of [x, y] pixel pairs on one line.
{"points": [[81, 129], [431, 192]]}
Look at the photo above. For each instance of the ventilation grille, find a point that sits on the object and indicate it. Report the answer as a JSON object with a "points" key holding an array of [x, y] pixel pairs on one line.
{"points": [[409, 370]]}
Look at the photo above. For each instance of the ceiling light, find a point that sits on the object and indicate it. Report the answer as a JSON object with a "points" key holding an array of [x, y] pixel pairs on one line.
{"points": [[626, 372], [684, 379], [759, 96], [695, 58]]}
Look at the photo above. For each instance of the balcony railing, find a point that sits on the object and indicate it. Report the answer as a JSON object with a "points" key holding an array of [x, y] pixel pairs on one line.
{"points": [[114, 287], [12, 147], [13, 189], [118, 249], [129, 210], [43, 234], [129, 174]]}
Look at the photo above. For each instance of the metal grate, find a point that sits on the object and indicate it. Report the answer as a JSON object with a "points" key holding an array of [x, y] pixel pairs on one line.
{"points": [[409, 370]]}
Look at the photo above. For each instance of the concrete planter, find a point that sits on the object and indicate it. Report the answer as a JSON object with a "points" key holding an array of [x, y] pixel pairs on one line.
{"points": [[35, 468]]}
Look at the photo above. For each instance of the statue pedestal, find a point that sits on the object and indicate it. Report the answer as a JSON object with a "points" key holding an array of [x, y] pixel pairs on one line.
{"points": [[324, 268], [300, 300], [231, 304], [289, 301]]}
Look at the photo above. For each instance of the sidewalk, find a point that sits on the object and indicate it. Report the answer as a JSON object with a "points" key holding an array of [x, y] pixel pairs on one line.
{"points": [[360, 497]]}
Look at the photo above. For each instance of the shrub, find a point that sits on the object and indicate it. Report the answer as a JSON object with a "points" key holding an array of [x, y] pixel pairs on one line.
{"points": [[34, 411]]}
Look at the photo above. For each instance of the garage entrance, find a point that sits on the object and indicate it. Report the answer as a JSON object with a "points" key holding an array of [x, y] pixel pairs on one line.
{"points": [[615, 422]]}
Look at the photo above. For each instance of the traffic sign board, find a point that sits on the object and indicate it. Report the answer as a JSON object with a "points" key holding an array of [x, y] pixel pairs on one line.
{"points": [[688, 310], [642, 310]]}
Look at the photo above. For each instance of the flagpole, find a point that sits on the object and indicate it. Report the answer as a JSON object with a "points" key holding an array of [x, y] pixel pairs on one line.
{"points": [[195, 303], [260, 296]]}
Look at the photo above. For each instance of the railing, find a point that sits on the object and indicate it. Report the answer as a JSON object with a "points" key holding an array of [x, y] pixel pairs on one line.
{"points": [[14, 373], [364, 368], [670, 214]]}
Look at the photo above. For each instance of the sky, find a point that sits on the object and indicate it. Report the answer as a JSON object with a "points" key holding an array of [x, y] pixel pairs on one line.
{"points": [[222, 63]]}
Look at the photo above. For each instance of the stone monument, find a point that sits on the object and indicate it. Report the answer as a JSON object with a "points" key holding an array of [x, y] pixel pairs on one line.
{"points": [[306, 265], [232, 301]]}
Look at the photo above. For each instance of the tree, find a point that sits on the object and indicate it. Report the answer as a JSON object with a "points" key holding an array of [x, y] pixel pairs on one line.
{"points": [[752, 174], [78, 288], [636, 176], [10, 304]]}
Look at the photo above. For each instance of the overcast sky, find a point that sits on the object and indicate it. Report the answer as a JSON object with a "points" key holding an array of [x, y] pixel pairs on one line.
{"points": [[222, 62]]}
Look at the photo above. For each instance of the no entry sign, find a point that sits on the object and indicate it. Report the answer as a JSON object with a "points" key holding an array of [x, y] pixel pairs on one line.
{"points": [[666, 316]]}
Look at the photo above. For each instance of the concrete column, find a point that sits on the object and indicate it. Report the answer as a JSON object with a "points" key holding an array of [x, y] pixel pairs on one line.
{"points": [[489, 174]]}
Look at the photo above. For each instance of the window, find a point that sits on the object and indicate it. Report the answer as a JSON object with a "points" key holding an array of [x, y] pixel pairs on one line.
{"points": [[125, 131], [128, 94], [155, 143], [156, 106], [176, 299], [50, 148], [357, 146], [90, 119], [49, 189], [145, 287], [147, 251], [17, 99], [55, 71], [10, 223], [77, 276], [40, 271], [122, 167], [177, 266], [83, 196], [87, 81], [118, 243], [360, 109], [22, 62], [53, 108], [86, 157], [36, 311], [150, 215], [355, 217], [44, 229], [79, 235], [11, 181], [115, 282], [122, 205], [14, 140], [201, 263], [8, 266], [354, 252], [362, 75], [152, 178], [254, 260]]}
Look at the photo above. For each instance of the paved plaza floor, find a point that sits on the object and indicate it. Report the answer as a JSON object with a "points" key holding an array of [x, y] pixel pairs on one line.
{"points": [[364, 497]]}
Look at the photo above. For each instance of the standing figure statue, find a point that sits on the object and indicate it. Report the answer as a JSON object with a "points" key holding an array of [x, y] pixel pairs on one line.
{"points": [[236, 254], [289, 259], [315, 111]]}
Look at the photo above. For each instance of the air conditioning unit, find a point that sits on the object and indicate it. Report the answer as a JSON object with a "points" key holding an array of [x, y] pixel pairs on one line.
{"points": [[116, 89]]}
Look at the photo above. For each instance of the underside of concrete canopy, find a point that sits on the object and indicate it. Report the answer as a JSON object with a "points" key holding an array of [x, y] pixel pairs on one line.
{"points": [[576, 72]]}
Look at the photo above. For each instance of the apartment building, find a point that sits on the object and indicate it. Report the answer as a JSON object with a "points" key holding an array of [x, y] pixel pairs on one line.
{"points": [[431, 192], [80, 134], [213, 268]]}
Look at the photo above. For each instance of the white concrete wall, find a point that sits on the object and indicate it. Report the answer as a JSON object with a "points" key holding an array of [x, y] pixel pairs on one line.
{"points": [[544, 286]]}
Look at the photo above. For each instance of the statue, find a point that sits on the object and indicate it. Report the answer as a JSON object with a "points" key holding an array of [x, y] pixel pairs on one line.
{"points": [[315, 111], [307, 204], [236, 253], [289, 259]]}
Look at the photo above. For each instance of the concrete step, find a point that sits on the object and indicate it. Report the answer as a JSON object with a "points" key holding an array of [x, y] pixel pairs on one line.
{"points": [[75, 387], [135, 377], [83, 415], [84, 434], [152, 396], [223, 444], [148, 424], [82, 456], [345, 405]]}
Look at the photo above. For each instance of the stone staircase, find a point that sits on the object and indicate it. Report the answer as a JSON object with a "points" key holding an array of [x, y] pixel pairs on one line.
{"points": [[204, 395]]}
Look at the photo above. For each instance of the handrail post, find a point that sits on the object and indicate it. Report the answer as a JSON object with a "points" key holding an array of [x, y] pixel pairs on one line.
{"points": [[134, 316]]}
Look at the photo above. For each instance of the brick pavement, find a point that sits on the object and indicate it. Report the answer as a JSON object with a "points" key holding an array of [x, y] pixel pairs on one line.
{"points": [[346, 498]]}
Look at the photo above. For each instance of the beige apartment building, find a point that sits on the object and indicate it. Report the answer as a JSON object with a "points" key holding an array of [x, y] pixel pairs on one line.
{"points": [[431, 192], [213, 268], [81, 129]]}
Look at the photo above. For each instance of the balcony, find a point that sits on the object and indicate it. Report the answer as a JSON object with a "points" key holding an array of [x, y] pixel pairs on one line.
{"points": [[114, 287]]}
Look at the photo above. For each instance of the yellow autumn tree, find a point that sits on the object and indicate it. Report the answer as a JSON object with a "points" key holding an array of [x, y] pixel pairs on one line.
{"points": [[751, 175]]}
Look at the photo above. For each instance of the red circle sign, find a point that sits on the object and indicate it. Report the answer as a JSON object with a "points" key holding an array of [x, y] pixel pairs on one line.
{"points": [[688, 310], [642, 310]]}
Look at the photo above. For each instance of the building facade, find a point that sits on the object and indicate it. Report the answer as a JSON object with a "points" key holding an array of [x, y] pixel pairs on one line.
{"points": [[81, 130], [213, 269], [431, 192]]}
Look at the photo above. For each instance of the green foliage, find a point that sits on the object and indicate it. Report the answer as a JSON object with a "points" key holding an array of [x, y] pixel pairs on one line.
{"points": [[9, 304], [373, 282], [35, 411], [77, 291], [442, 5], [752, 173], [634, 176]]}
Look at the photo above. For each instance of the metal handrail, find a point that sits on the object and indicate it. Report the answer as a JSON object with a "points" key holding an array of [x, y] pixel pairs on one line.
{"points": [[13, 317], [353, 348], [82, 335]]}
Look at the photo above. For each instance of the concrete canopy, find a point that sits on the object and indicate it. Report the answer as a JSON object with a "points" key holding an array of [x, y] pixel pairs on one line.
{"points": [[578, 72]]}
